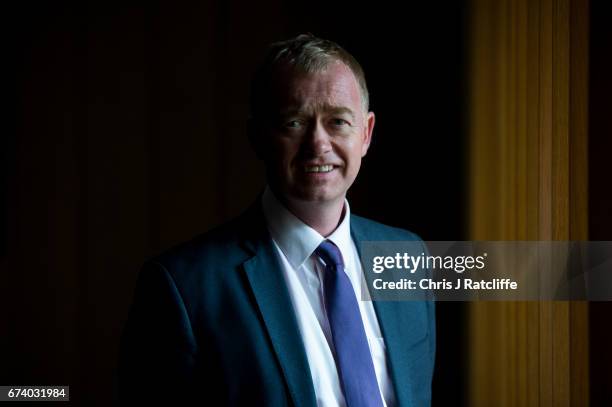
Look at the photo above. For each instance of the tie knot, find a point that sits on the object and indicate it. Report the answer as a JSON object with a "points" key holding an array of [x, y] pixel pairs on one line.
{"points": [[330, 253]]}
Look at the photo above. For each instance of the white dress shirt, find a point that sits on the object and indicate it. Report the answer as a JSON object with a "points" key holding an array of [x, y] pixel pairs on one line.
{"points": [[295, 243]]}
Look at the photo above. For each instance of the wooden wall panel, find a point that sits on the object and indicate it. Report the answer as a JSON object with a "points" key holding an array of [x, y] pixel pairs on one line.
{"points": [[528, 177]]}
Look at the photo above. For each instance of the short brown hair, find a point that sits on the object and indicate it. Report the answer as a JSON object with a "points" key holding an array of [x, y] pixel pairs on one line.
{"points": [[307, 53]]}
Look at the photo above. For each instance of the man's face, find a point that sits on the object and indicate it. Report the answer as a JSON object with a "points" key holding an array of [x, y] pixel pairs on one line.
{"points": [[317, 136]]}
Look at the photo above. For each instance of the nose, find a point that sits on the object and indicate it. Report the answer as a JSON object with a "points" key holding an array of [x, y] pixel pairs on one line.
{"points": [[317, 140]]}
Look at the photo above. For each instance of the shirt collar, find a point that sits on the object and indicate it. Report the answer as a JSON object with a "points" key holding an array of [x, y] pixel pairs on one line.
{"points": [[296, 239]]}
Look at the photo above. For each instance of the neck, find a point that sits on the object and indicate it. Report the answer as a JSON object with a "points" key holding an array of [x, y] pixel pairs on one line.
{"points": [[324, 217]]}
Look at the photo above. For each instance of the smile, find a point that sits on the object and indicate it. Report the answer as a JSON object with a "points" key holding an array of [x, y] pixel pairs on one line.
{"points": [[319, 168]]}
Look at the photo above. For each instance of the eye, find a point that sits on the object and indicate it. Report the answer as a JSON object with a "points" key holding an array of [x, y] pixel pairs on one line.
{"points": [[293, 124], [338, 122]]}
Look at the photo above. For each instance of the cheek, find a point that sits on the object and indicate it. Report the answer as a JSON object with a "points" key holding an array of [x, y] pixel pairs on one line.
{"points": [[363, 149], [353, 151]]}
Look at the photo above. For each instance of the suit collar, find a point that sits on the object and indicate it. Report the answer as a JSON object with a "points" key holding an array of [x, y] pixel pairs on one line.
{"points": [[272, 297], [296, 239], [398, 322]]}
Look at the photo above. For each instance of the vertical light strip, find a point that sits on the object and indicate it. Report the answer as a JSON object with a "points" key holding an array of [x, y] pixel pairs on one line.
{"points": [[527, 172]]}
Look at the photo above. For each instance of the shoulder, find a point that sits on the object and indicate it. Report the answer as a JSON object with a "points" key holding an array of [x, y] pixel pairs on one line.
{"points": [[223, 238], [211, 254], [372, 230]]}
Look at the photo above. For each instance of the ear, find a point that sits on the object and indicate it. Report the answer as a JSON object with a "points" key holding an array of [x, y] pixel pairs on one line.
{"points": [[367, 132]]}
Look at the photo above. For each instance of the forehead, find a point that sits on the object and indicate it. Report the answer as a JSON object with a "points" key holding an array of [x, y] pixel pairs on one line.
{"points": [[334, 87]]}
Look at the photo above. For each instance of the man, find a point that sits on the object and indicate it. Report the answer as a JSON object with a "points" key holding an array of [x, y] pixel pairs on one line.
{"points": [[266, 310]]}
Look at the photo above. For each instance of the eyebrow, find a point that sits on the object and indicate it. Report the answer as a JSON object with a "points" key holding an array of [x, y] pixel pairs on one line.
{"points": [[330, 109]]}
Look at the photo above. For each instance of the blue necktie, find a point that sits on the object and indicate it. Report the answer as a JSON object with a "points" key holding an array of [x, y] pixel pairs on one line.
{"points": [[353, 359]]}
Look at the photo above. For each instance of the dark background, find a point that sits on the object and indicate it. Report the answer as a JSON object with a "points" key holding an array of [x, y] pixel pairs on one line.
{"points": [[600, 192], [129, 136]]}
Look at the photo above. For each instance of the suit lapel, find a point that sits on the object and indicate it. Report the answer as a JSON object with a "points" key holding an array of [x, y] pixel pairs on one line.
{"points": [[399, 324], [272, 297], [397, 320]]}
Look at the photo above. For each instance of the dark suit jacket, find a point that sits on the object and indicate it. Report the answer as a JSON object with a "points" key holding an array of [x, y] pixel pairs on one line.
{"points": [[212, 323]]}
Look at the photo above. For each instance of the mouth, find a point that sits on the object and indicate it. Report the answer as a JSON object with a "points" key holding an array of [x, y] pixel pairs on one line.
{"points": [[319, 168]]}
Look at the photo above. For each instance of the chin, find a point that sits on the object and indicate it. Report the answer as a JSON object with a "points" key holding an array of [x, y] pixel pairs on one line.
{"points": [[318, 196]]}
